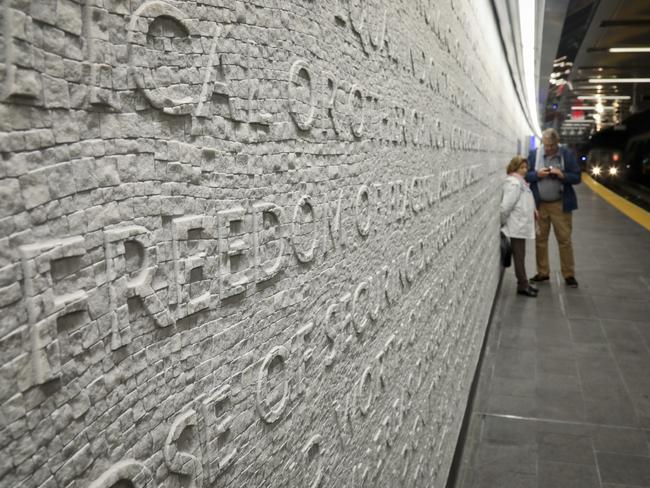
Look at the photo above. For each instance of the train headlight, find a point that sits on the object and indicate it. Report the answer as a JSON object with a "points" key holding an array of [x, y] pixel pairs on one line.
{"points": [[595, 170], [613, 171]]}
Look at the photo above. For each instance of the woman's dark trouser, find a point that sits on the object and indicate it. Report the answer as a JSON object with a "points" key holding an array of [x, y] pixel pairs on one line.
{"points": [[519, 258]]}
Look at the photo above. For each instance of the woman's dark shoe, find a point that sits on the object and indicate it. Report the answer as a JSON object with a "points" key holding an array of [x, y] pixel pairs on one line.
{"points": [[529, 292]]}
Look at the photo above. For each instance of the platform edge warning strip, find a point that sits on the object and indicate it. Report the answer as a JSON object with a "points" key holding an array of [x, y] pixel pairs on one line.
{"points": [[639, 215]]}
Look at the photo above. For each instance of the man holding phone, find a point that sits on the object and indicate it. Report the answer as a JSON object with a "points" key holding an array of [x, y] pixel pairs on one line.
{"points": [[552, 173]]}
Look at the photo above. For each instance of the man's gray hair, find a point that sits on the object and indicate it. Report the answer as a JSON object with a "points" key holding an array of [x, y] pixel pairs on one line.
{"points": [[550, 135]]}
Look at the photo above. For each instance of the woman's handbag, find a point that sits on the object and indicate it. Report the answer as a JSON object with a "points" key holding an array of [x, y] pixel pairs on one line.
{"points": [[506, 251]]}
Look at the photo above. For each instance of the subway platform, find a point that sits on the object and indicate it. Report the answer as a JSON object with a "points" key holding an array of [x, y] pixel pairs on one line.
{"points": [[563, 392]]}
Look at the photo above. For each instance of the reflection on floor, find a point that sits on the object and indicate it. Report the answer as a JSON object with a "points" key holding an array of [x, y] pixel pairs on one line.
{"points": [[563, 398]]}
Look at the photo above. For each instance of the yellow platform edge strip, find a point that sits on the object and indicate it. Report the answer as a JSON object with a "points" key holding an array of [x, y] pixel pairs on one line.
{"points": [[640, 216]]}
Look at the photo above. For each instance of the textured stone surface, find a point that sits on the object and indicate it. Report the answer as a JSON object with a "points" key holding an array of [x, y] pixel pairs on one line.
{"points": [[244, 243]]}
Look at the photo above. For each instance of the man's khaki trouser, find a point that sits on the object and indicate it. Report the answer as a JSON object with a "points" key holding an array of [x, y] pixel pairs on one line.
{"points": [[551, 213]]}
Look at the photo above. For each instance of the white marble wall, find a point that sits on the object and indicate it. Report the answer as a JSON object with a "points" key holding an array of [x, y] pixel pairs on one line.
{"points": [[244, 243]]}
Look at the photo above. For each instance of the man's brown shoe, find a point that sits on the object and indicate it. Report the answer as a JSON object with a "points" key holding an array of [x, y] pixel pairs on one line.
{"points": [[571, 281], [538, 278]]}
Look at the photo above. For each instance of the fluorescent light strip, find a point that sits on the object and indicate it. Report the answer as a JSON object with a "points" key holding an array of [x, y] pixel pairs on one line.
{"points": [[527, 24], [629, 49], [586, 107], [604, 97], [619, 80]]}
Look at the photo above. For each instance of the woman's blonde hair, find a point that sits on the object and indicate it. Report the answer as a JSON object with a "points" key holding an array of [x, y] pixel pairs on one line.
{"points": [[515, 163]]}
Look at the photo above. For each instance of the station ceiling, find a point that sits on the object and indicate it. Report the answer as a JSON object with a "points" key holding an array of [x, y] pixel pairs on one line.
{"points": [[593, 31]]}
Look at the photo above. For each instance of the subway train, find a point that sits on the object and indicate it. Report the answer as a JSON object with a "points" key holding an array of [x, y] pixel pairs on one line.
{"points": [[620, 154], [630, 164]]}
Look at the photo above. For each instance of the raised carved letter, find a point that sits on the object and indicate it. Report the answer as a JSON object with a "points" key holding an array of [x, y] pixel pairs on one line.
{"points": [[409, 265], [357, 126], [194, 264], [336, 320], [302, 350], [217, 430], [100, 90], [309, 452], [303, 206], [141, 71], [44, 305], [125, 285], [268, 268], [343, 416], [334, 110], [20, 77], [211, 86], [234, 250], [365, 389], [333, 225], [360, 306], [179, 461], [299, 69], [268, 413], [363, 196], [378, 26], [127, 470]]}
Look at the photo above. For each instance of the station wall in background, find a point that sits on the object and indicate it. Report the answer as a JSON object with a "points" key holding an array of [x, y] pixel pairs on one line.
{"points": [[244, 243]]}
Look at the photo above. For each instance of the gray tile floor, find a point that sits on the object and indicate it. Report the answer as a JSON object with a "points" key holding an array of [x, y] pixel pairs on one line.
{"points": [[563, 397]]}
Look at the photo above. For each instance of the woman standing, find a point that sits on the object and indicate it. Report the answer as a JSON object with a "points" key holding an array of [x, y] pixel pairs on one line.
{"points": [[518, 219]]}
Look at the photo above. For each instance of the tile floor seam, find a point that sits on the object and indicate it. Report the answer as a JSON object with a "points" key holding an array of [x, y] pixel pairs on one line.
{"points": [[627, 299], [618, 453], [559, 421], [563, 308], [647, 285], [621, 375], [595, 454], [580, 379]]}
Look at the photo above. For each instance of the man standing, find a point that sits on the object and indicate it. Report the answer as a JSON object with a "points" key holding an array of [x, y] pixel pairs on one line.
{"points": [[553, 172]]}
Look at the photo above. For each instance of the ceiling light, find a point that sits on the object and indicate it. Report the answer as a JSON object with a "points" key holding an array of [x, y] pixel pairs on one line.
{"points": [[598, 108], [619, 80], [604, 97], [629, 49], [527, 24]]}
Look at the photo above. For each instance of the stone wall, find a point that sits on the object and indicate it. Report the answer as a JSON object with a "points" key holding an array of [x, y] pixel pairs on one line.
{"points": [[244, 243]]}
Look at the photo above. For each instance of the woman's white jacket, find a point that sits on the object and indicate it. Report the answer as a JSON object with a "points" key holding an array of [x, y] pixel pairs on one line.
{"points": [[517, 209]]}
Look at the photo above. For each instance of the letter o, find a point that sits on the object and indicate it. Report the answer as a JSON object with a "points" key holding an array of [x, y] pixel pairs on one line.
{"points": [[409, 270], [364, 229], [357, 129], [304, 123], [374, 311], [360, 323], [420, 376], [416, 195], [423, 261], [268, 414], [365, 407]]}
